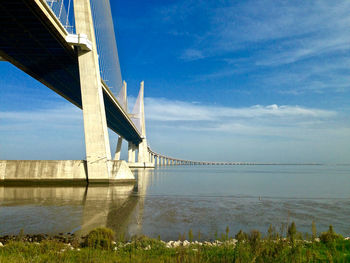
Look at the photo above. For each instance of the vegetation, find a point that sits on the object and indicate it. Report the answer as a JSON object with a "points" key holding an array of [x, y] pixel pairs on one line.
{"points": [[99, 238], [98, 246]]}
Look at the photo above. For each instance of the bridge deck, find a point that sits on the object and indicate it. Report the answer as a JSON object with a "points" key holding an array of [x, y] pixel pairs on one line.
{"points": [[34, 41]]}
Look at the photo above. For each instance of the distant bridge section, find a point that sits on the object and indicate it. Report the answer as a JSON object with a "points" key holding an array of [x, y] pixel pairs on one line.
{"points": [[162, 160]]}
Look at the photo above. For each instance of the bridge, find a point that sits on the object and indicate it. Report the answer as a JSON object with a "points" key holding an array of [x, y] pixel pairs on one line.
{"points": [[70, 47]]}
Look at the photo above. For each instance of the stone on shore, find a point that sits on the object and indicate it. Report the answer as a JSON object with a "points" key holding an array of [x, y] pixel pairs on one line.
{"points": [[186, 243]]}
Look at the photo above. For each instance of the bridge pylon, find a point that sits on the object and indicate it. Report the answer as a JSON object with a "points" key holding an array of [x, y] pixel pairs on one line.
{"points": [[138, 114], [98, 154], [143, 155]]}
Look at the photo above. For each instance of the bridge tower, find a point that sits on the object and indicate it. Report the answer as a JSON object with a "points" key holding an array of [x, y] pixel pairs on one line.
{"points": [[98, 153], [143, 155], [138, 117], [95, 124]]}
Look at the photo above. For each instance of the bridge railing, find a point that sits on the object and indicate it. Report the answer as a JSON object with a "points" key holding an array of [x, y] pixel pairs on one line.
{"points": [[105, 37], [63, 9]]}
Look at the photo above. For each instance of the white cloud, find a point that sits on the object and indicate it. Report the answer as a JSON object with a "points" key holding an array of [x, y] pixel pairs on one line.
{"points": [[269, 34], [192, 54], [256, 133], [58, 117], [292, 30], [167, 110]]}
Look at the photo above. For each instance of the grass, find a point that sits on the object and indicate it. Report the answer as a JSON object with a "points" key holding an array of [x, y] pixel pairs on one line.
{"points": [[250, 247]]}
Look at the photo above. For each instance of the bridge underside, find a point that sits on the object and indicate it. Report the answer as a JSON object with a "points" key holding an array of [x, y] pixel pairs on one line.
{"points": [[31, 42]]}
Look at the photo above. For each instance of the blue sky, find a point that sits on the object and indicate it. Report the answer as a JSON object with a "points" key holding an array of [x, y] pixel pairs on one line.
{"points": [[259, 80]]}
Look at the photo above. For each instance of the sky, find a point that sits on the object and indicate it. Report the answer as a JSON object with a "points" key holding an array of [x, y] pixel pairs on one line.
{"points": [[225, 80]]}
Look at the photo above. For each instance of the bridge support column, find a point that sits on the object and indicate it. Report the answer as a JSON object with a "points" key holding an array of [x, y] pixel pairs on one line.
{"points": [[143, 156], [134, 149], [131, 152], [119, 148], [98, 153]]}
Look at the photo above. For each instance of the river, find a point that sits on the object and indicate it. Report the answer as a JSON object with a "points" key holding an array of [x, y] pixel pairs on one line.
{"points": [[172, 200]]}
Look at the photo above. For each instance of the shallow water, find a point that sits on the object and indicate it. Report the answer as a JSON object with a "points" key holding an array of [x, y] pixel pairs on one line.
{"points": [[169, 201]]}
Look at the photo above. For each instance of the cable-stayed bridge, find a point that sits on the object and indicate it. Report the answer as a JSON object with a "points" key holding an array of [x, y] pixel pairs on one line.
{"points": [[70, 46]]}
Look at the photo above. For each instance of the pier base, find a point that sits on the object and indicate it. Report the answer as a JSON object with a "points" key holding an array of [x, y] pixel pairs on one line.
{"points": [[52, 172], [141, 165]]}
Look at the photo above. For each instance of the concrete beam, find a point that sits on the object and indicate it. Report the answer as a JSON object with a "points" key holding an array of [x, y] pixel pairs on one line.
{"points": [[79, 40]]}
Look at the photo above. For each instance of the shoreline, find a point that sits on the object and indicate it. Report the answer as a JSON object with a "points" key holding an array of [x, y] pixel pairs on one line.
{"points": [[100, 245]]}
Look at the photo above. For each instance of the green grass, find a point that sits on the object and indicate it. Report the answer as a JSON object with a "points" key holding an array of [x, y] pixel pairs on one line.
{"points": [[250, 247]]}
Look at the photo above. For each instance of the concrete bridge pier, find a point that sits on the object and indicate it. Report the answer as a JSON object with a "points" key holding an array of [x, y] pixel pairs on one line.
{"points": [[118, 149], [98, 154], [131, 152]]}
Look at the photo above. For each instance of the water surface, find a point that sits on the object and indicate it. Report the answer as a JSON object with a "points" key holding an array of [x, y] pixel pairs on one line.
{"points": [[170, 201]]}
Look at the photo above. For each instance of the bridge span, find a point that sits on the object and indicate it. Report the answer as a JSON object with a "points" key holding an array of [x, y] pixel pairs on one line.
{"points": [[35, 39]]}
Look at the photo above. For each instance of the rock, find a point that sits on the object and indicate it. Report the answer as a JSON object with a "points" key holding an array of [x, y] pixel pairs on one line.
{"points": [[177, 243], [207, 243], [317, 239], [186, 243], [148, 247], [169, 244]]}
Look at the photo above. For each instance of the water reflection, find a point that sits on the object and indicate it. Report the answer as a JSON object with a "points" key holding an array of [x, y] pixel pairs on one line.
{"points": [[74, 209], [173, 200]]}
